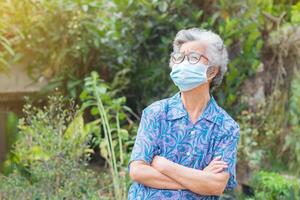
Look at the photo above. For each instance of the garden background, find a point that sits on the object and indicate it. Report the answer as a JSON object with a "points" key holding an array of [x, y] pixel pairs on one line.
{"points": [[76, 74]]}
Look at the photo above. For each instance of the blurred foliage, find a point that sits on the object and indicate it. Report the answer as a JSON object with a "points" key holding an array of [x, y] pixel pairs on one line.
{"points": [[5, 50], [11, 128], [273, 186], [293, 137], [252, 147], [50, 155], [61, 40], [129, 42], [10, 134]]}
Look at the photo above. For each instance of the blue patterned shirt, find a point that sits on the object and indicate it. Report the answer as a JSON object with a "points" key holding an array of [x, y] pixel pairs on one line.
{"points": [[165, 129]]}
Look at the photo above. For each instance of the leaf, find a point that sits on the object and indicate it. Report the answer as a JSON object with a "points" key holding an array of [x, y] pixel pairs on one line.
{"points": [[94, 111], [93, 127], [75, 129], [8, 49], [103, 149], [89, 151], [83, 95], [124, 134], [36, 153], [162, 6]]}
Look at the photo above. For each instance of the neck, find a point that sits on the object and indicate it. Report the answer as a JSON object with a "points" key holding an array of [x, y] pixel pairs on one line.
{"points": [[195, 100]]}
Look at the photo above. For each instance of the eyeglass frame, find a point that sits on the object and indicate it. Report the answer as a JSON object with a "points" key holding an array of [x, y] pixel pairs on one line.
{"points": [[188, 57]]}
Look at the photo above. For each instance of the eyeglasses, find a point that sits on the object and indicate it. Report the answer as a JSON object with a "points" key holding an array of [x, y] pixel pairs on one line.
{"points": [[193, 57]]}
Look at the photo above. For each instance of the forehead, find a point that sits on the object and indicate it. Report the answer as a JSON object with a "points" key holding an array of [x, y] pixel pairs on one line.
{"points": [[192, 46]]}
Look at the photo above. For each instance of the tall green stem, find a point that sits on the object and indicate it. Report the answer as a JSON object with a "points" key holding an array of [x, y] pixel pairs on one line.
{"points": [[120, 139], [108, 140]]}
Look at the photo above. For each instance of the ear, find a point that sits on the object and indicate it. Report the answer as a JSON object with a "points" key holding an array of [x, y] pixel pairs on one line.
{"points": [[212, 71]]}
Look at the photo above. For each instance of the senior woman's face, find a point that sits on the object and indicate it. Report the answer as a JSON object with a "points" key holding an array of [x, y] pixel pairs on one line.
{"points": [[194, 46], [198, 47]]}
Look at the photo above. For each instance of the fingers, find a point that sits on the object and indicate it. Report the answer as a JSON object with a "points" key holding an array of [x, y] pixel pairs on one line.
{"points": [[216, 158], [218, 170], [215, 166], [215, 169], [220, 162], [219, 166]]}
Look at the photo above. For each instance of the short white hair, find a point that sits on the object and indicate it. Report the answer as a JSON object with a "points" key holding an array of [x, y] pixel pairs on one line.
{"points": [[216, 51]]}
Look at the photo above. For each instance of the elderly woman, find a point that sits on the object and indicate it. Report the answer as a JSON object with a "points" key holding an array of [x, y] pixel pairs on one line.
{"points": [[186, 145]]}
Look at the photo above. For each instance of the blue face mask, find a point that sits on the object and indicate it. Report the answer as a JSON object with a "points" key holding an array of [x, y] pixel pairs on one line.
{"points": [[188, 76]]}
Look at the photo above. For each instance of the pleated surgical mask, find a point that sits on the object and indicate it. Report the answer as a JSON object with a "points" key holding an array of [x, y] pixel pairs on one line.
{"points": [[187, 76]]}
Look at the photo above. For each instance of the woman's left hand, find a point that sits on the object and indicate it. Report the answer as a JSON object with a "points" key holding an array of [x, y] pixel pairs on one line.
{"points": [[216, 165]]}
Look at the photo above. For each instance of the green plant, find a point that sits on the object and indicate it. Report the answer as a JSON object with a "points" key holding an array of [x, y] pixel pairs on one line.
{"points": [[10, 135], [99, 98], [60, 41], [265, 34], [292, 139], [49, 157], [251, 148], [273, 186]]}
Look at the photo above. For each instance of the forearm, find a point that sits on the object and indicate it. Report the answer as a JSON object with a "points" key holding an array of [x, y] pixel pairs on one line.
{"points": [[149, 176], [198, 181]]}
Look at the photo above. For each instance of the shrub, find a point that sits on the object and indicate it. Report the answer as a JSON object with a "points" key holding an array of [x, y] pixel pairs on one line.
{"points": [[273, 186], [49, 158]]}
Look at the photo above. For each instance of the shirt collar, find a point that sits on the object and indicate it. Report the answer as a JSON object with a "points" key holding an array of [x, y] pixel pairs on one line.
{"points": [[176, 109]]}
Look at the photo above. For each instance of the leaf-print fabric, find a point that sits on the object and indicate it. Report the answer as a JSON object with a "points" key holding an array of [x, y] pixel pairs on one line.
{"points": [[165, 129]]}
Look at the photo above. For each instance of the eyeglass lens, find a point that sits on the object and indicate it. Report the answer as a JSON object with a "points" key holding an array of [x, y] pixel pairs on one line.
{"points": [[192, 57]]}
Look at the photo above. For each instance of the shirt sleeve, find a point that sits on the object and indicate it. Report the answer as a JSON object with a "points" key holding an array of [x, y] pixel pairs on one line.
{"points": [[145, 145], [226, 147]]}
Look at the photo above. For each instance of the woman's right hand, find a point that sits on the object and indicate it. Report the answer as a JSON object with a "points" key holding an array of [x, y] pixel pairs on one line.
{"points": [[216, 165]]}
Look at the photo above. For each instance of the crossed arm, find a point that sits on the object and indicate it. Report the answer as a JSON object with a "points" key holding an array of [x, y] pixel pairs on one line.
{"points": [[165, 174]]}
